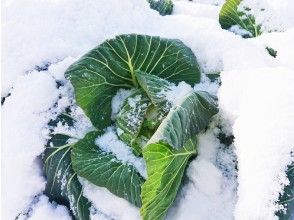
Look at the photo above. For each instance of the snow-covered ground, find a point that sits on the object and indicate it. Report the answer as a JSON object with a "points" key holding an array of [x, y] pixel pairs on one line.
{"points": [[256, 100]]}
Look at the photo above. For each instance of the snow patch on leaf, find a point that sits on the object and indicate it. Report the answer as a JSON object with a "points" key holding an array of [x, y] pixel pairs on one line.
{"points": [[110, 143], [118, 100], [177, 93]]}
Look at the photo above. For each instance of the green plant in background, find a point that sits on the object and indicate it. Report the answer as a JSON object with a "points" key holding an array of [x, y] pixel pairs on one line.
{"points": [[165, 136], [231, 16], [164, 7], [272, 52], [241, 21]]}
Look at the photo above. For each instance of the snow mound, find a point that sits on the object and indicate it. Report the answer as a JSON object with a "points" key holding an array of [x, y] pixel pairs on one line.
{"points": [[260, 105], [46, 210], [23, 117]]}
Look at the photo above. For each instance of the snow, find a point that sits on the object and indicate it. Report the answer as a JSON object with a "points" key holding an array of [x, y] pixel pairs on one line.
{"points": [[57, 71], [107, 205], [118, 100], [22, 122], [208, 2], [207, 85], [135, 112], [240, 31], [196, 9], [263, 132], [283, 43], [273, 15], [25, 115], [80, 128], [204, 173], [46, 210], [133, 101], [109, 142], [176, 93], [32, 29], [255, 96]]}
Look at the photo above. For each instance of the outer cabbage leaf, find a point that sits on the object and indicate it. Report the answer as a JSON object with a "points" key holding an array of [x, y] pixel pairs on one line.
{"points": [[230, 16], [287, 199], [169, 149], [166, 168], [164, 7], [99, 74], [188, 118], [104, 170], [130, 119], [62, 183]]}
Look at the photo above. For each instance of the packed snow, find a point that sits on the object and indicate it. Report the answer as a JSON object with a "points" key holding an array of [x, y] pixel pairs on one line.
{"points": [[255, 97]]}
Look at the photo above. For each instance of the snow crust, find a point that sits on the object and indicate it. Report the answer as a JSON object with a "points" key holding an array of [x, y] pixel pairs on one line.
{"points": [[256, 99]]}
